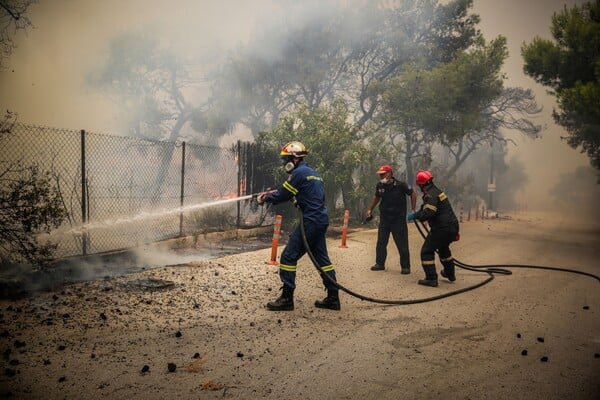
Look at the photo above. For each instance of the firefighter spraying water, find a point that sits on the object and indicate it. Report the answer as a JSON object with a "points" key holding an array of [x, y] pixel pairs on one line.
{"points": [[305, 187]]}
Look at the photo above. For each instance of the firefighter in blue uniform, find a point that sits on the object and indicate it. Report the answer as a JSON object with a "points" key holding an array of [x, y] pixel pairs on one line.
{"points": [[305, 187], [443, 230]]}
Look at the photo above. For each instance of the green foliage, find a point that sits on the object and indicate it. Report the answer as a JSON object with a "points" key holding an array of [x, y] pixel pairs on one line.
{"points": [[333, 147], [543, 60], [570, 65], [453, 30], [444, 105], [449, 100], [580, 116]]}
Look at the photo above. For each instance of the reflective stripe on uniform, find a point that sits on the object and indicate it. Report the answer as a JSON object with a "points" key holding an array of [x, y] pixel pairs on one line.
{"points": [[428, 262], [442, 196], [327, 268], [290, 188], [431, 207], [289, 268], [447, 259]]}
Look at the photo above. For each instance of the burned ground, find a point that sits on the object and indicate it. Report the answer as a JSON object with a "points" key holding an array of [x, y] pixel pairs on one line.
{"points": [[200, 329]]}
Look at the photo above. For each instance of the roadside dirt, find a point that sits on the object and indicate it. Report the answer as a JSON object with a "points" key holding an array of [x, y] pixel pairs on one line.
{"points": [[531, 335]]}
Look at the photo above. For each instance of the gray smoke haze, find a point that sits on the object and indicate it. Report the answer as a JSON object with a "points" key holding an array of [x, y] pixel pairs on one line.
{"points": [[547, 160], [45, 79]]}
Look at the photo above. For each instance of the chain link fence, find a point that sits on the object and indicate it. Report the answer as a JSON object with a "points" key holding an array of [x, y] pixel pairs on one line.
{"points": [[120, 192]]}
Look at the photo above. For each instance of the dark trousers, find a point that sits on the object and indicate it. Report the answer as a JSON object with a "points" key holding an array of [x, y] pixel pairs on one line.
{"points": [[437, 239], [399, 230], [294, 250]]}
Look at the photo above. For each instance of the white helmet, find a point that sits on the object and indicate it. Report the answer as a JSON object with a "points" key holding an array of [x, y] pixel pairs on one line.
{"points": [[295, 149]]}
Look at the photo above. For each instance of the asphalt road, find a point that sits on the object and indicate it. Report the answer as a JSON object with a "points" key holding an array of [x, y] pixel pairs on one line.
{"points": [[531, 335]]}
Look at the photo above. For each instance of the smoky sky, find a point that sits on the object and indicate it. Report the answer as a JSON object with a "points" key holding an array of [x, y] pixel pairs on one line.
{"points": [[45, 79], [546, 159]]}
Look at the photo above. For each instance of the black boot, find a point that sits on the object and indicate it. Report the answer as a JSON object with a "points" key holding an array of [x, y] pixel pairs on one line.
{"points": [[285, 302], [430, 276], [331, 302], [448, 271]]}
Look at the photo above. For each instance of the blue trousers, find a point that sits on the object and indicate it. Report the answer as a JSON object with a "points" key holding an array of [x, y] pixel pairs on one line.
{"points": [[294, 250]]}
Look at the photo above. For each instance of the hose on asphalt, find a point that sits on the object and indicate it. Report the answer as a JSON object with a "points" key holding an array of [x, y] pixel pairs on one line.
{"points": [[490, 270]]}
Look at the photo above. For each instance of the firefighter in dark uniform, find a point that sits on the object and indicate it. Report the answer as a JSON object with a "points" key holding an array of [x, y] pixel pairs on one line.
{"points": [[443, 230], [305, 187], [392, 209]]}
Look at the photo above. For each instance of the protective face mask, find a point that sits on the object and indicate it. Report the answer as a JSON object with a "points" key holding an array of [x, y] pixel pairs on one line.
{"points": [[289, 167], [288, 164], [384, 180]]}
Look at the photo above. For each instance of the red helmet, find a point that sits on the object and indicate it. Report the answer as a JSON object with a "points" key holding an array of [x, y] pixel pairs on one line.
{"points": [[423, 177], [384, 168]]}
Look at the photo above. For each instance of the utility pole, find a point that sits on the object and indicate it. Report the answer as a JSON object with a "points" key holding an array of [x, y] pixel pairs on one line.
{"points": [[492, 182]]}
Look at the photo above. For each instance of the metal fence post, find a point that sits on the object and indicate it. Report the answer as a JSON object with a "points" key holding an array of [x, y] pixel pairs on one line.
{"points": [[182, 188], [84, 220], [239, 178]]}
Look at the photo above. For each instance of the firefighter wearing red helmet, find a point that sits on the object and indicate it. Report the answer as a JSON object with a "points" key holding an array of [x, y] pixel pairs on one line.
{"points": [[443, 230], [423, 177], [390, 195], [305, 187]]}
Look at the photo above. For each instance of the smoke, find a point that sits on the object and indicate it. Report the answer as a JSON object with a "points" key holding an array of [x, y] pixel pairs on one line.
{"points": [[17, 279], [572, 191], [45, 78], [546, 159]]}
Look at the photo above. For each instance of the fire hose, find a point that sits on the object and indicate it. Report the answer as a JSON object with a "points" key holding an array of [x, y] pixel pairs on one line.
{"points": [[491, 270]]}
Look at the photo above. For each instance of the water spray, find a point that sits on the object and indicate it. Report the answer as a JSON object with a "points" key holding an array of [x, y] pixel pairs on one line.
{"points": [[162, 213]]}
